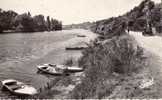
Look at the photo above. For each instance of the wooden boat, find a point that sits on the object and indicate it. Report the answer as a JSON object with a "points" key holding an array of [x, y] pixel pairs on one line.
{"points": [[64, 68], [50, 69], [76, 48], [81, 35], [74, 69], [18, 88]]}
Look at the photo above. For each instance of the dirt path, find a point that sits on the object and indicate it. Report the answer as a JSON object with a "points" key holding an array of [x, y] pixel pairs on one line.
{"points": [[153, 50], [151, 44]]}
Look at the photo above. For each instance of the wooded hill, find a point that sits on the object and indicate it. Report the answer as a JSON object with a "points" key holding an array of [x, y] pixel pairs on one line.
{"points": [[136, 20]]}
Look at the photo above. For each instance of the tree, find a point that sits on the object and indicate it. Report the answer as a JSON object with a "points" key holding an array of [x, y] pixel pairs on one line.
{"points": [[29, 14], [6, 19], [39, 23], [24, 23], [48, 23], [10, 20], [56, 25]]}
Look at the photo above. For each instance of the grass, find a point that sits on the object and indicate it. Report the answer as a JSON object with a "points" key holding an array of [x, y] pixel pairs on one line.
{"points": [[120, 55]]}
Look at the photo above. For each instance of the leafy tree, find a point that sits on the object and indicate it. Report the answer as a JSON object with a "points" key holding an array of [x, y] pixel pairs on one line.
{"points": [[6, 19], [156, 15], [56, 25], [10, 20], [24, 23], [39, 23], [48, 23]]}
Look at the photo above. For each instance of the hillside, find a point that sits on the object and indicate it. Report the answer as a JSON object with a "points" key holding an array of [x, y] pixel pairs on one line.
{"points": [[135, 19], [85, 25]]}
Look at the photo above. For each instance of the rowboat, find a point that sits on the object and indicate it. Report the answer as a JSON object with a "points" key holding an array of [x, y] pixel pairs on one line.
{"points": [[50, 69], [18, 88], [60, 69]]}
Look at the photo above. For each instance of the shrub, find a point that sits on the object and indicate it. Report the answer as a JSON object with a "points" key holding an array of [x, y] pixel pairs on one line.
{"points": [[119, 54]]}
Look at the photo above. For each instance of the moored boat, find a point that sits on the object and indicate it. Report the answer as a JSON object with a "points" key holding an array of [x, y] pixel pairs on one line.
{"points": [[64, 68], [18, 88], [76, 48], [50, 69], [81, 35]]}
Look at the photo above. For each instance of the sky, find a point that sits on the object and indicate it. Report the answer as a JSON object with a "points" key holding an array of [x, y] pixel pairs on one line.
{"points": [[72, 11]]}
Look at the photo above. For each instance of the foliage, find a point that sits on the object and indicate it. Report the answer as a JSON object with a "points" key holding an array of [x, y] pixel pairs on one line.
{"points": [[135, 19], [56, 25], [120, 55], [40, 24], [6, 19], [10, 20], [24, 23], [48, 23]]}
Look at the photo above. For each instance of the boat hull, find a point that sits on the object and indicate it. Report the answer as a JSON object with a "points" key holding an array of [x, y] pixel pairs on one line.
{"points": [[75, 48], [74, 69], [51, 73], [19, 88]]}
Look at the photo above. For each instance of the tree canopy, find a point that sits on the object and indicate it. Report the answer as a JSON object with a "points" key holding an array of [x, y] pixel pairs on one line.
{"points": [[10, 20]]}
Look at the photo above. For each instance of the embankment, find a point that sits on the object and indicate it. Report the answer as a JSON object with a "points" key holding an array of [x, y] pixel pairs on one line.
{"points": [[112, 70], [117, 67]]}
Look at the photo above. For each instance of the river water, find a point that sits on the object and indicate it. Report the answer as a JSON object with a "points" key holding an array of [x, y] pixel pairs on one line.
{"points": [[21, 52]]}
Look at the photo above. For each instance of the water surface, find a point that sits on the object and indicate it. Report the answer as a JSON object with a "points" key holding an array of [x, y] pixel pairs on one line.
{"points": [[21, 52]]}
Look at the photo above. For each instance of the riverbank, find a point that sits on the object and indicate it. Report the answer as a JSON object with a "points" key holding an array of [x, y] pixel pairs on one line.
{"points": [[112, 70], [120, 68]]}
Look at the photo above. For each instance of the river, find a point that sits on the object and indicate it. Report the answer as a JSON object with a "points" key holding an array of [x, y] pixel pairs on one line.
{"points": [[20, 53]]}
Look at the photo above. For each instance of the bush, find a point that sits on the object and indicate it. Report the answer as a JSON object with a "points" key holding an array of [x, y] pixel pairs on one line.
{"points": [[120, 54]]}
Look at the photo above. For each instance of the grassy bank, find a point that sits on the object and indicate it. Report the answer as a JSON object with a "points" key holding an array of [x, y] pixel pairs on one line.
{"points": [[112, 70]]}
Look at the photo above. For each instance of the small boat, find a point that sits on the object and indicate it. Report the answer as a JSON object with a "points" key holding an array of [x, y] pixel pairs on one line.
{"points": [[50, 69], [76, 48], [74, 69], [81, 35], [69, 68], [64, 68], [18, 88]]}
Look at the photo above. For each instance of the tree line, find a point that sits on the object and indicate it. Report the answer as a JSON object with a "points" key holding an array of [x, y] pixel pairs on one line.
{"points": [[10, 20]]}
